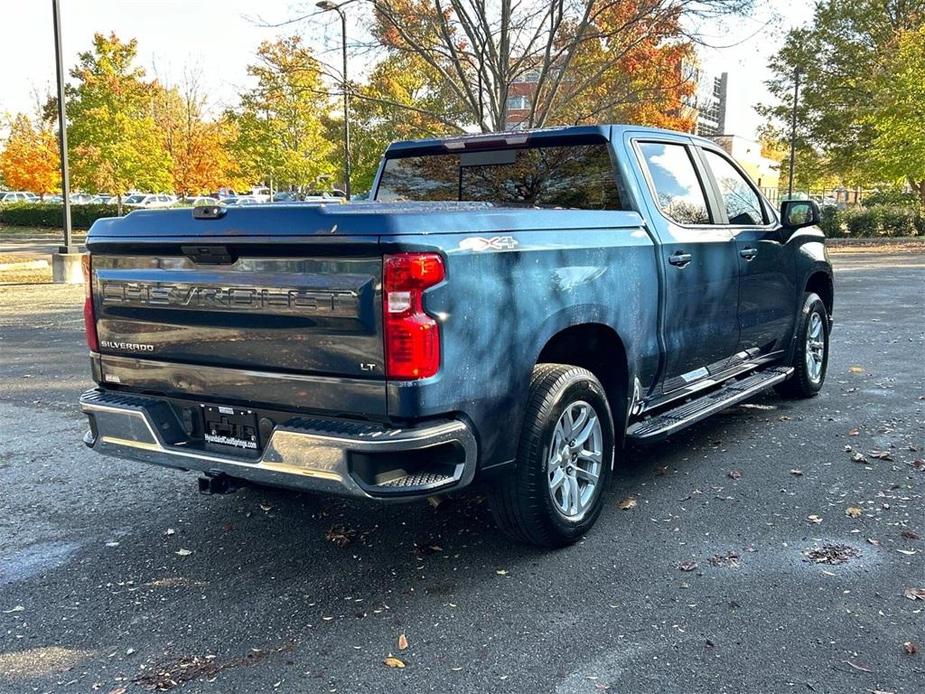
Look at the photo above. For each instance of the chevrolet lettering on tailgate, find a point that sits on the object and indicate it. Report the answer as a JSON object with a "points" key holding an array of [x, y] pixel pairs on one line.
{"points": [[277, 300]]}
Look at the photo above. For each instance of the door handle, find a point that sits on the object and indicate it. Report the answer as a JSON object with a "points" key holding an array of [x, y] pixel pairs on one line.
{"points": [[748, 253], [679, 258]]}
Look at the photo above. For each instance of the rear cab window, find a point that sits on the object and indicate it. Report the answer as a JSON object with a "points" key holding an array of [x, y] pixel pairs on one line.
{"points": [[551, 176]]}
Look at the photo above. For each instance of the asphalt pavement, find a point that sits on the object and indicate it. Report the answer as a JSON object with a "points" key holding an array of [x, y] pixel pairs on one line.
{"points": [[753, 555]]}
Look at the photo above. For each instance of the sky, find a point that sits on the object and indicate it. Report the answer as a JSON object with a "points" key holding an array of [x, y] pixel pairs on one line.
{"points": [[218, 39]]}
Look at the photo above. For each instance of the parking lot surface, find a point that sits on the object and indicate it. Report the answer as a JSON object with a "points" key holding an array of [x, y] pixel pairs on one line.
{"points": [[774, 548]]}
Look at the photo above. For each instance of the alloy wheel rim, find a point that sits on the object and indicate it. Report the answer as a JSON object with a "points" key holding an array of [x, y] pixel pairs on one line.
{"points": [[815, 347], [575, 459]]}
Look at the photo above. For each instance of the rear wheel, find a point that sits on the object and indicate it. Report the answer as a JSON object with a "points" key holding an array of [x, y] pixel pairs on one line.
{"points": [[811, 354], [552, 496]]}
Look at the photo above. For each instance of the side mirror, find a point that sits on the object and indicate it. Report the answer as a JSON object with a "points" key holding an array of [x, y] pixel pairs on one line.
{"points": [[796, 214]]}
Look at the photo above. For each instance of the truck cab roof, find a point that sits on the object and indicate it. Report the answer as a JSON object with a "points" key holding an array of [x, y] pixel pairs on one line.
{"points": [[572, 134]]}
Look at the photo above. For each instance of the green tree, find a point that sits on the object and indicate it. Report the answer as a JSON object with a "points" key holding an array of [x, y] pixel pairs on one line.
{"points": [[281, 134], [897, 116], [114, 141], [401, 100], [847, 58]]}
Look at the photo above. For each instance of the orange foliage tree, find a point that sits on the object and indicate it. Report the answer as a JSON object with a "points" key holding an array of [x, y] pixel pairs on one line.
{"points": [[531, 63], [199, 149], [30, 160]]}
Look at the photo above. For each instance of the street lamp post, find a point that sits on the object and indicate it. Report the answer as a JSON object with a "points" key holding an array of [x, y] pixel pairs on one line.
{"points": [[327, 6], [66, 263], [793, 129], [62, 130]]}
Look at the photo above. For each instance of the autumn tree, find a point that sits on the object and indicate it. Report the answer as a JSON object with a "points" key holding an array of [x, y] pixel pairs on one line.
{"points": [[574, 55], [281, 133], [401, 100], [199, 148], [861, 92], [30, 160], [113, 139]]}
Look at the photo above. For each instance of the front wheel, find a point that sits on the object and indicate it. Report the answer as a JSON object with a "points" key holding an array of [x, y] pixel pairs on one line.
{"points": [[811, 354], [552, 496]]}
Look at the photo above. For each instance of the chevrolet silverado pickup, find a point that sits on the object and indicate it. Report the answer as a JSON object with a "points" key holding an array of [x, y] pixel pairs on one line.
{"points": [[513, 308]]}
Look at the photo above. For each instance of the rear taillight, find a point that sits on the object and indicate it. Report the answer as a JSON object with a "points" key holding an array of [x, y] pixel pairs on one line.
{"points": [[89, 317], [412, 336]]}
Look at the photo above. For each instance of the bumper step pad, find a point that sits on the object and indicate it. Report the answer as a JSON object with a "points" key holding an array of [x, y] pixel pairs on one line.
{"points": [[732, 392]]}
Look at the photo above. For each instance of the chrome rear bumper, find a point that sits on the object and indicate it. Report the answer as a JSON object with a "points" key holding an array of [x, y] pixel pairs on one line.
{"points": [[326, 455]]}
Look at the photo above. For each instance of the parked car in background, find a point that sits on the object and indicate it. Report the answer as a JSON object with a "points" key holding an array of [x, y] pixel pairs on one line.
{"points": [[287, 196], [260, 193], [149, 200], [201, 201], [18, 196], [81, 198], [242, 201], [103, 199]]}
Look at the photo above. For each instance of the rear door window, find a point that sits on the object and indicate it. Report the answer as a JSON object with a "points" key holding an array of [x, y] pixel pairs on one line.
{"points": [[574, 176], [743, 206], [678, 190]]}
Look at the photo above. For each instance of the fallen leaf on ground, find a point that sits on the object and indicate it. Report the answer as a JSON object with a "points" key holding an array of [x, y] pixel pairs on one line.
{"points": [[854, 432], [402, 642], [796, 472], [169, 531], [881, 455], [918, 464], [734, 474], [687, 565], [914, 593], [858, 458], [392, 661], [908, 552], [266, 507], [910, 535], [853, 512], [339, 535], [856, 369], [183, 552], [910, 648], [831, 554], [814, 519], [18, 608], [628, 503], [501, 572]]}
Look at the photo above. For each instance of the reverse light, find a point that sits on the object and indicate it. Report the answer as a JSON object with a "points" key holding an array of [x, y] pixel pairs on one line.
{"points": [[89, 315], [412, 336]]}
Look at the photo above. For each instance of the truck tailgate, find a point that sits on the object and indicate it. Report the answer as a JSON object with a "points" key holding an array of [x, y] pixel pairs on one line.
{"points": [[273, 311]]}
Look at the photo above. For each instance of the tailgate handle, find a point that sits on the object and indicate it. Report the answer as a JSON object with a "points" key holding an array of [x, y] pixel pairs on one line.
{"points": [[210, 255]]}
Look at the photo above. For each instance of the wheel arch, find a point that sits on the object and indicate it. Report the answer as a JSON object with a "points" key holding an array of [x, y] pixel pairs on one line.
{"points": [[820, 282], [598, 348]]}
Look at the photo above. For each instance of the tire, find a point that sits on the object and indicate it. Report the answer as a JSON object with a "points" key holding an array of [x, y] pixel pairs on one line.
{"points": [[525, 505], [810, 358]]}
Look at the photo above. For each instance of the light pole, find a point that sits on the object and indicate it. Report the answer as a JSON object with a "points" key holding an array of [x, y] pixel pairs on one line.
{"points": [[327, 6], [793, 129], [62, 130]]}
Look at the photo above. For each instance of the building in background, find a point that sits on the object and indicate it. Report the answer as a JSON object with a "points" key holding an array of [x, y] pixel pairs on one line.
{"points": [[710, 104]]}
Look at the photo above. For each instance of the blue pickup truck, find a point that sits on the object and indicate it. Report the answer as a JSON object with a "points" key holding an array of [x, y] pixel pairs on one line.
{"points": [[512, 307]]}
